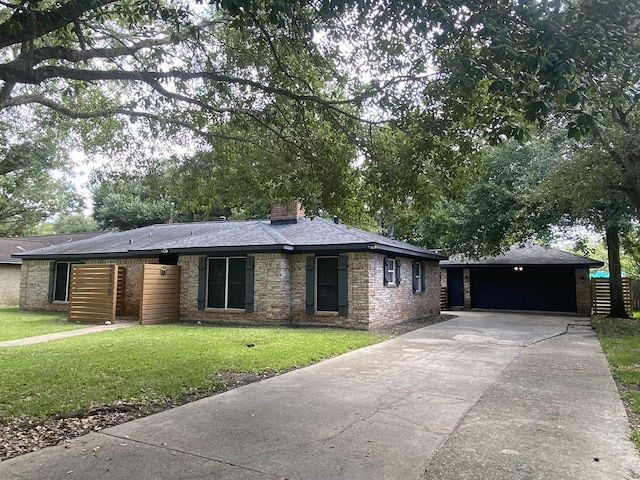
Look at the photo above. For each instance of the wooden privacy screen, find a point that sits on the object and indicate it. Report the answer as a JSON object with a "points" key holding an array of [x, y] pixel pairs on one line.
{"points": [[160, 302], [93, 293], [601, 297]]}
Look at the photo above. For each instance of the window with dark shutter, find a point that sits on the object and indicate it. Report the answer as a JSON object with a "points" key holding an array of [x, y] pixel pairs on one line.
{"points": [[52, 281], [327, 284], [389, 271], [417, 277], [310, 286], [202, 283], [343, 286], [398, 276], [249, 288], [59, 281]]}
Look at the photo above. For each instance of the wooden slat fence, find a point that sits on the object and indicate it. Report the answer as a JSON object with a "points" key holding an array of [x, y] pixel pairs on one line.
{"points": [[601, 297], [635, 289], [160, 302], [443, 298], [120, 291], [93, 293]]}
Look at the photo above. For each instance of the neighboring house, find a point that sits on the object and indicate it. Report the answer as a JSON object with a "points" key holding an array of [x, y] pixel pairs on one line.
{"points": [[531, 278], [10, 266], [290, 269]]}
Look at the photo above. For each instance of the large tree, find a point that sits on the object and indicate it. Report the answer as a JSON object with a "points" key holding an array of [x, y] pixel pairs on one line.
{"points": [[31, 187]]}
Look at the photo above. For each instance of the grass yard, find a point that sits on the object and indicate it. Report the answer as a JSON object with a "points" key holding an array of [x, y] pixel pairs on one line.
{"points": [[620, 340], [148, 365], [16, 324]]}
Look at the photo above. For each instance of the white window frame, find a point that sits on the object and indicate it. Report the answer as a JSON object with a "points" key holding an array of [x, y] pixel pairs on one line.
{"points": [[67, 291], [418, 277], [392, 271], [226, 282]]}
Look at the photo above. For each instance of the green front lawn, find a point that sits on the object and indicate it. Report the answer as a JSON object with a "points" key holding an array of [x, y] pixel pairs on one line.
{"points": [[620, 340], [148, 365], [16, 324]]}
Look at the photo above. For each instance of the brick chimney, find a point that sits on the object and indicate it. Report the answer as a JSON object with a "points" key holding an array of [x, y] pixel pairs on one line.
{"points": [[286, 212]]}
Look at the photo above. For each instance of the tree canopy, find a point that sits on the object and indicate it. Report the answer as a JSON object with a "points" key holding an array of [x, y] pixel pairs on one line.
{"points": [[31, 187], [370, 109]]}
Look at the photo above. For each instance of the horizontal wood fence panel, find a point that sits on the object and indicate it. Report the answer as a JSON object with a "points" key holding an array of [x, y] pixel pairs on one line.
{"points": [[160, 302], [443, 298], [601, 295], [120, 291], [160, 298], [93, 293]]}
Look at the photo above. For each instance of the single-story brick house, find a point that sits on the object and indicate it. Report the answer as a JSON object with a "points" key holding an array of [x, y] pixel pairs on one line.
{"points": [[10, 266], [291, 269], [531, 278]]}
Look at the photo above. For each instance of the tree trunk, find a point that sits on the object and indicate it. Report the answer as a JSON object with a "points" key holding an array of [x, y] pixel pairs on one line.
{"points": [[615, 273]]}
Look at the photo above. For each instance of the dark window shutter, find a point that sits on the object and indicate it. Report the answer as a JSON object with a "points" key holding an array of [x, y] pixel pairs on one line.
{"points": [[249, 287], [422, 277], [343, 289], [202, 283], [385, 272], [52, 281], [415, 277], [311, 288], [398, 278]]}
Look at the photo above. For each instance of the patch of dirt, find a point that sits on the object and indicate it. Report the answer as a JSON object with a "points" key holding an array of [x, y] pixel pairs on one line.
{"points": [[24, 436], [405, 327]]}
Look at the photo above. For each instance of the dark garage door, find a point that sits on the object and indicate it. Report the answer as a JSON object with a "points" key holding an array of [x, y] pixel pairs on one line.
{"points": [[542, 289]]}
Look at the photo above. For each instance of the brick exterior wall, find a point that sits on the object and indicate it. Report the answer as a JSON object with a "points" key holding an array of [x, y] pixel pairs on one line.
{"points": [[279, 291], [34, 284], [396, 303], [34, 287], [272, 298], [583, 292], [358, 281], [9, 284]]}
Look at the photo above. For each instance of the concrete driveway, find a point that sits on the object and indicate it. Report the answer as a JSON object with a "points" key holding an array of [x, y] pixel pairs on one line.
{"points": [[482, 396]]}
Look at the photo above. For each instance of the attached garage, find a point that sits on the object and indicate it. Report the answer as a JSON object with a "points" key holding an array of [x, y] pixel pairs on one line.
{"points": [[531, 278]]}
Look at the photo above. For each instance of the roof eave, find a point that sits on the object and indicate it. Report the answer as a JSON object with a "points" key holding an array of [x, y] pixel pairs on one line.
{"points": [[523, 264]]}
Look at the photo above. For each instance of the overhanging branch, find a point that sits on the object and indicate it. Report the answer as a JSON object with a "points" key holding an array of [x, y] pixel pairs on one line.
{"points": [[26, 24]]}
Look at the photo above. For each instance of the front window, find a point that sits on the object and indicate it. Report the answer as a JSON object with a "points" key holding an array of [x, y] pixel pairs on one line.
{"points": [[226, 282], [417, 277], [390, 270], [62, 282], [327, 284]]}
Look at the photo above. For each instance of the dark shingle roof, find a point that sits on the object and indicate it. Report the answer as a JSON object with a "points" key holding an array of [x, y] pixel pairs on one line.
{"points": [[17, 245], [532, 255], [306, 235]]}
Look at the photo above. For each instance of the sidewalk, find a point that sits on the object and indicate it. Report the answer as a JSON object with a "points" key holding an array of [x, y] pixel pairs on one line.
{"points": [[482, 396], [69, 333]]}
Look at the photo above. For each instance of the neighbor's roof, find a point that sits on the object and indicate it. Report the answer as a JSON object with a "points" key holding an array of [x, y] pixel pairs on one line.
{"points": [[306, 235], [18, 245], [531, 255]]}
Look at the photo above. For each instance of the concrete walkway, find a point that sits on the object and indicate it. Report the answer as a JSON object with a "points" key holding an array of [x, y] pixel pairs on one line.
{"points": [[482, 396], [69, 333]]}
